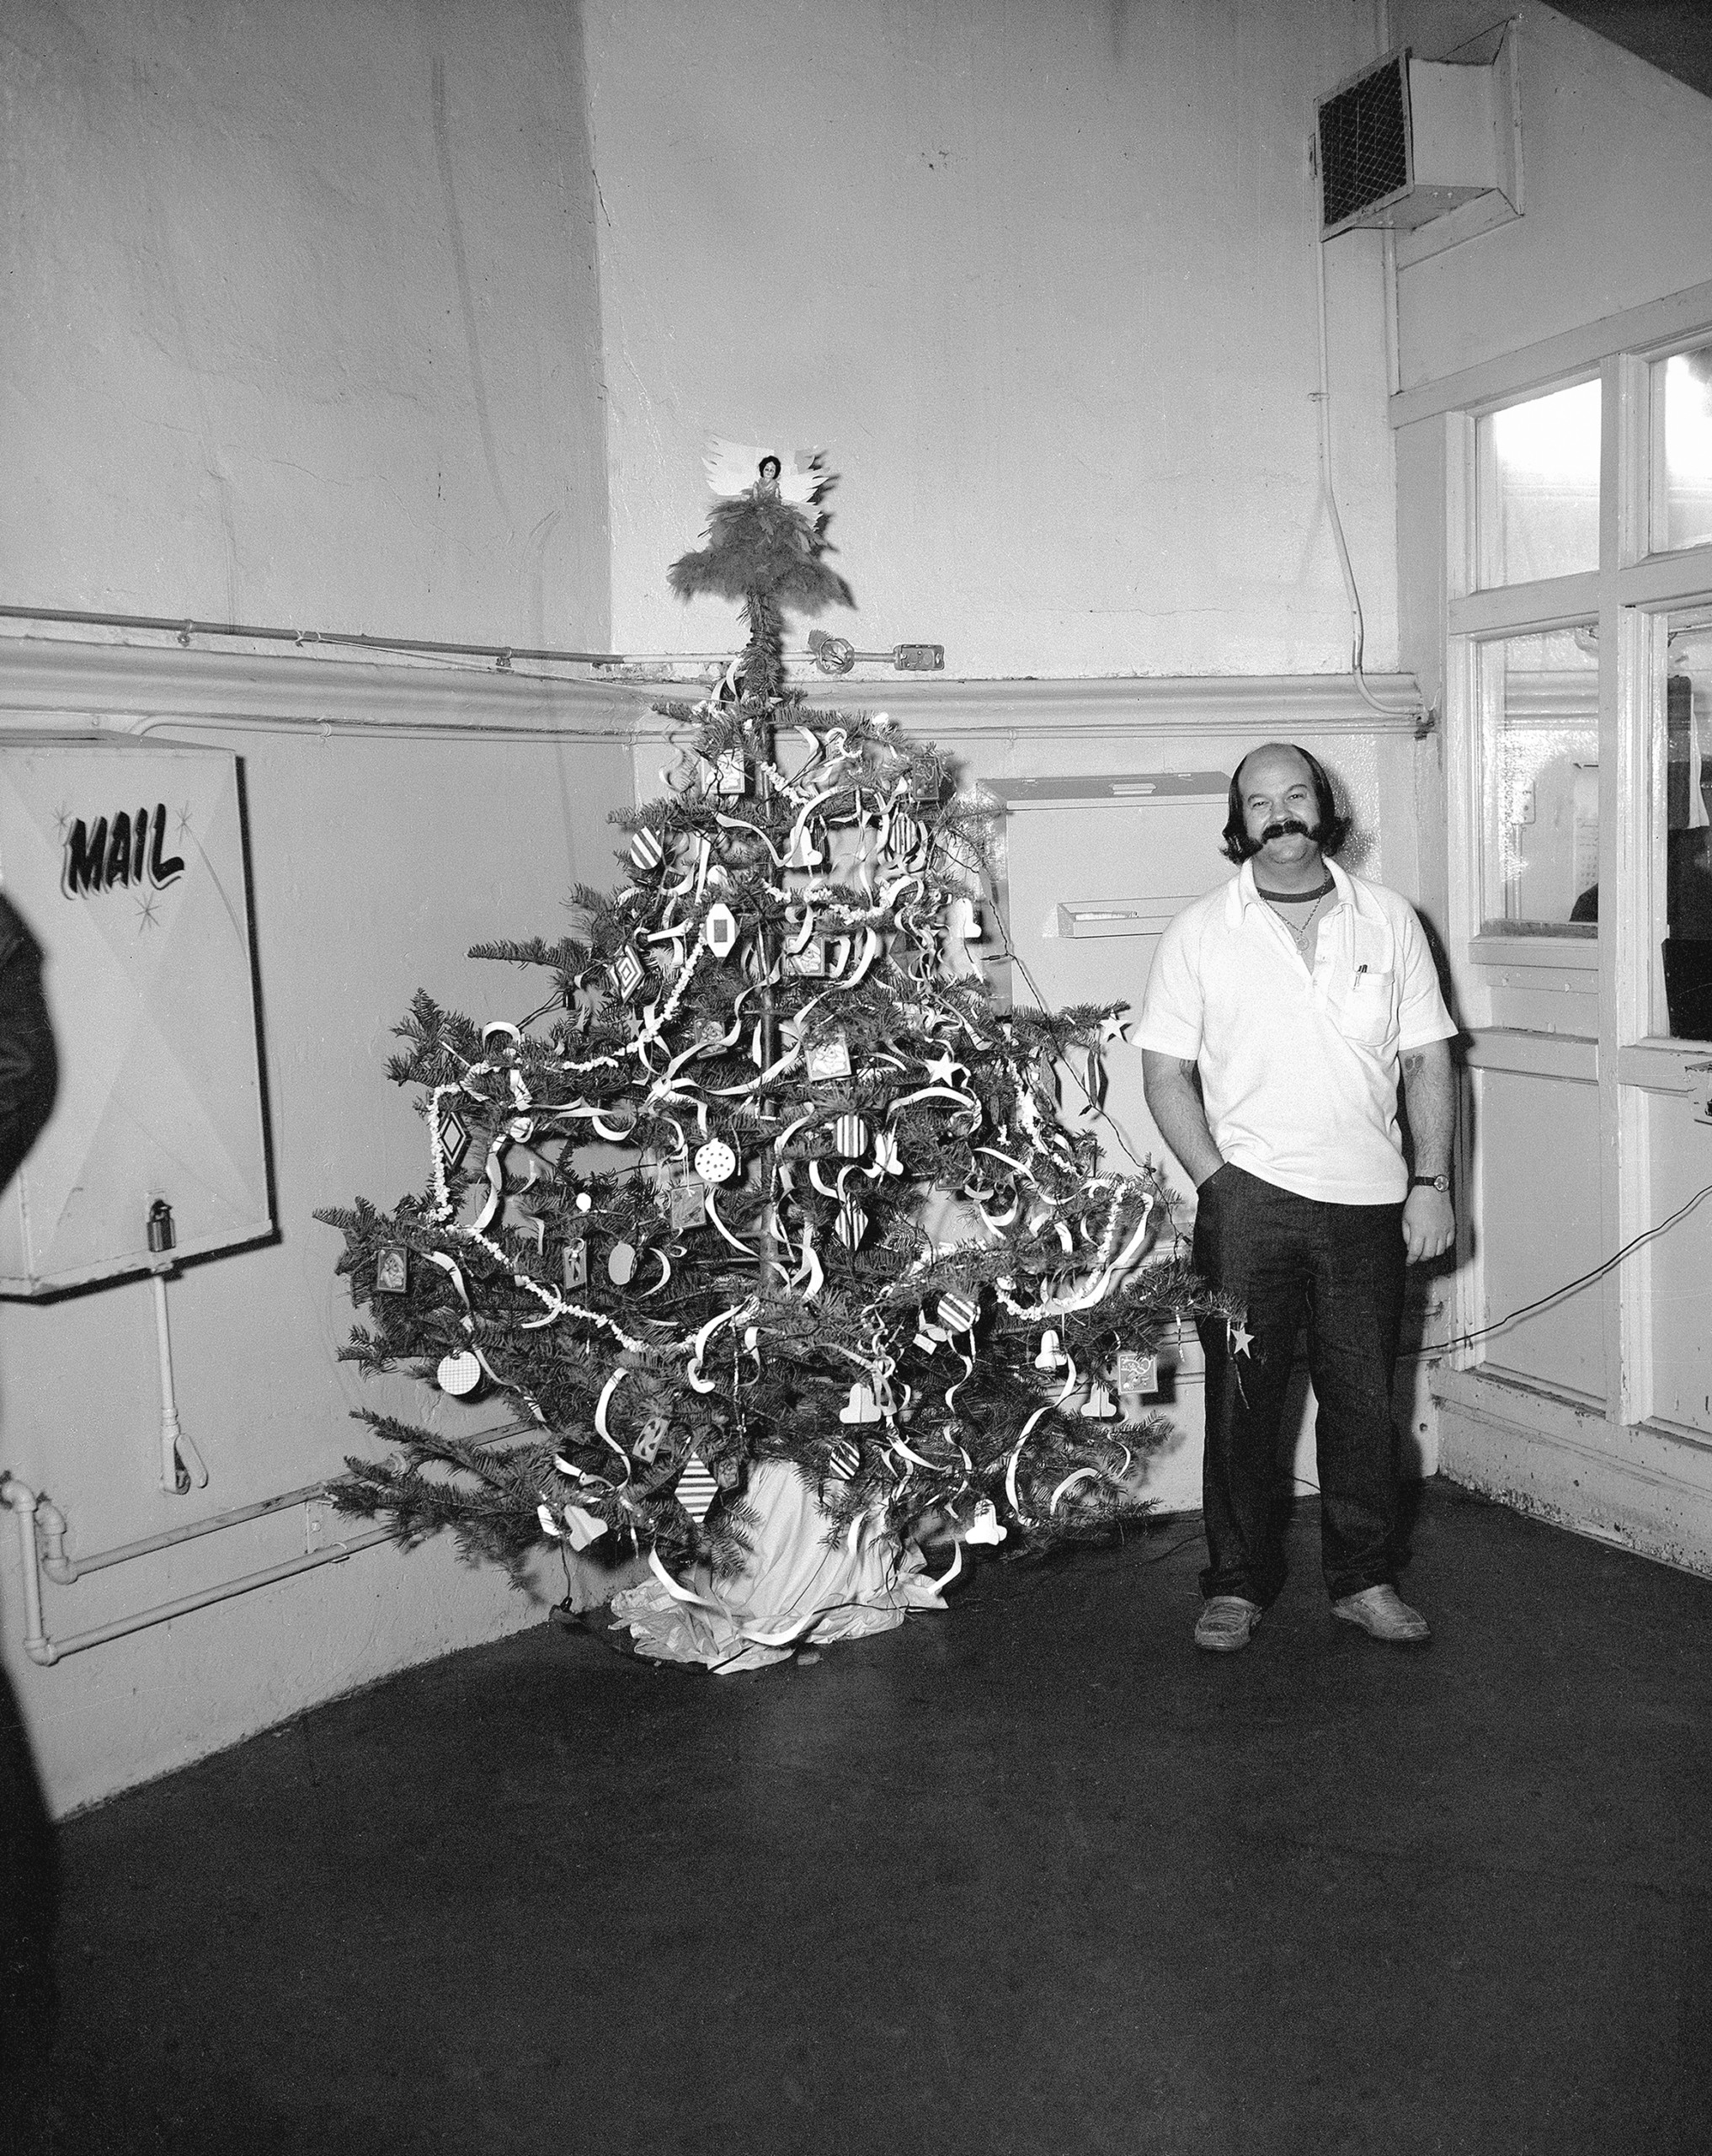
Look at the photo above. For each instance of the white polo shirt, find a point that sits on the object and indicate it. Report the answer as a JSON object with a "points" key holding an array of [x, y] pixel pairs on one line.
{"points": [[1299, 1069]]}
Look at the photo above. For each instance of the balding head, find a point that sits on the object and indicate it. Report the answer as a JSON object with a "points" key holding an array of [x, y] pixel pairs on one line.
{"points": [[1279, 784]]}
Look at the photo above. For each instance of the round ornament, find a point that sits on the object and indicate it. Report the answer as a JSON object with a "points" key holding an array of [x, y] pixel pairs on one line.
{"points": [[458, 1374], [958, 1313], [621, 1265], [715, 1161]]}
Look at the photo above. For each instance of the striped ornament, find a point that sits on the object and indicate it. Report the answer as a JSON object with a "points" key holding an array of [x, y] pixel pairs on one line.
{"points": [[850, 1136], [646, 849], [696, 1489], [907, 834], [958, 1313], [852, 1224]]}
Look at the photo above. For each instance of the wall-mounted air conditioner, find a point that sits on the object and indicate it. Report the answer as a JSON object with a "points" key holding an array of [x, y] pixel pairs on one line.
{"points": [[1408, 140]]}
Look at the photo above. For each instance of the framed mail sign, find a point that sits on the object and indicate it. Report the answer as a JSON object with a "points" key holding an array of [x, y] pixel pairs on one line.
{"points": [[127, 863]]}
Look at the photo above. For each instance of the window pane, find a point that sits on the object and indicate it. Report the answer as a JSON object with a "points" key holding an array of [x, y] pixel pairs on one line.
{"points": [[1684, 519], [1682, 734], [1538, 490], [1539, 718]]}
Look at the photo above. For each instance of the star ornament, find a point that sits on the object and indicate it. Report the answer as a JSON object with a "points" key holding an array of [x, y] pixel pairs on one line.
{"points": [[1239, 1335]]}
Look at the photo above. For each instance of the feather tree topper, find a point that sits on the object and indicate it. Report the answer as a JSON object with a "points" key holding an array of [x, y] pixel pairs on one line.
{"points": [[767, 533]]}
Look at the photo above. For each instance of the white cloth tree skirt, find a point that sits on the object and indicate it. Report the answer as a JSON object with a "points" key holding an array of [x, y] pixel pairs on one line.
{"points": [[796, 1590]]}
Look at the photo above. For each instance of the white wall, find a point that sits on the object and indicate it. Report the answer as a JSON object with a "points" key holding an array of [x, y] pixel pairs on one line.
{"points": [[376, 863], [302, 315], [1039, 278], [301, 327], [1618, 165]]}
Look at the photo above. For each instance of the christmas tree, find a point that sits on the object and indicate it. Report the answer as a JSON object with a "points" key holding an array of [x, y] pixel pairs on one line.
{"points": [[768, 1178]]}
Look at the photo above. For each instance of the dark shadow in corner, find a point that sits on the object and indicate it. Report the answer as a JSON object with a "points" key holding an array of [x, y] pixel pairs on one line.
{"points": [[29, 1865], [1426, 1294]]}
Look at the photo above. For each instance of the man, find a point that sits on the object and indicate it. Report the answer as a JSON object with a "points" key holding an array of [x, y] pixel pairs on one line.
{"points": [[1295, 992]]}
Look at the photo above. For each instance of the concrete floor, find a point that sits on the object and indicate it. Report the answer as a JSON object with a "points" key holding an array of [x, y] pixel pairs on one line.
{"points": [[1034, 1877]]}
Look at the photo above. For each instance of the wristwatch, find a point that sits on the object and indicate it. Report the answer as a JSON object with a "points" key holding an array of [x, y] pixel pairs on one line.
{"points": [[1429, 1183]]}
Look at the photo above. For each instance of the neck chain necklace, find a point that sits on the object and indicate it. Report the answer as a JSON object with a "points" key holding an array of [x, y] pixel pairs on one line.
{"points": [[1304, 936]]}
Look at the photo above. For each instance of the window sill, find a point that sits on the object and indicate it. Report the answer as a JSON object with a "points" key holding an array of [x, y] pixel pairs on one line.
{"points": [[1561, 949], [1658, 1066]]}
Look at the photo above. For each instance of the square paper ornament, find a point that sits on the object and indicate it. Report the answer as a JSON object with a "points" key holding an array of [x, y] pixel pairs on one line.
{"points": [[809, 963], [392, 1270], [656, 1436], [1137, 1372], [731, 774], [686, 1204], [830, 1058], [627, 972], [576, 1264]]}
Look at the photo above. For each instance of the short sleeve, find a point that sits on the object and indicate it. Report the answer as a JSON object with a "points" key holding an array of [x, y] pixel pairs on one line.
{"points": [[1172, 1005], [1421, 1015]]}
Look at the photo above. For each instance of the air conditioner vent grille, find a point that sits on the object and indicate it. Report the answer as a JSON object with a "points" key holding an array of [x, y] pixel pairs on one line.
{"points": [[1365, 143]]}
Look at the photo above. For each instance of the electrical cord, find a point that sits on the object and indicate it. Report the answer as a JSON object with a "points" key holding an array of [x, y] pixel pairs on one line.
{"points": [[1586, 1280], [1323, 399]]}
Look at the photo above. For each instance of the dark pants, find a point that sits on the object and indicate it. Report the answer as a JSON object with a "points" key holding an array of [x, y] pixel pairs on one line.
{"points": [[1286, 1259]]}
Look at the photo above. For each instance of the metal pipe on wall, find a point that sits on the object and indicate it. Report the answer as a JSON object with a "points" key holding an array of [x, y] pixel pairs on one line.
{"points": [[26, 1505], [34, 1512]]}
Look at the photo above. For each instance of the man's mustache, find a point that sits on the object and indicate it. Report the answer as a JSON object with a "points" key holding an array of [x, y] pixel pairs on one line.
{"points": [[1291, 827]]}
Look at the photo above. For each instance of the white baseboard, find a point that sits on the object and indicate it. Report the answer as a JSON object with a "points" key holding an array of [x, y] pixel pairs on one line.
{"points": [[1643, 1488]]}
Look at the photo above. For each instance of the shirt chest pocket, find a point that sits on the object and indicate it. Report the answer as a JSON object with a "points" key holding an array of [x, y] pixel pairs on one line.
{"points": [[1366, 1015]]}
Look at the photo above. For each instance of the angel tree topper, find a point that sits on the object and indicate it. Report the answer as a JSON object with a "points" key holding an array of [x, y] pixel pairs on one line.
{"points": [[767, 536]]}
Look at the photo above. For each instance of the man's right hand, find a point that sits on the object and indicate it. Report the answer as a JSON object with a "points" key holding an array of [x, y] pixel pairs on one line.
{"points": [[1173, 1102]]}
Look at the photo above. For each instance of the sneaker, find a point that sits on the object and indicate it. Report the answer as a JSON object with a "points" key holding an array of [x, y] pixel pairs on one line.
{"points": [[1382, 1612], [1226, 1623]]}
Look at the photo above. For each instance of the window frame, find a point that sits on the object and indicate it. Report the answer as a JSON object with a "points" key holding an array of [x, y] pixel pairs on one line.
{"points": [[1619, 975]]}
